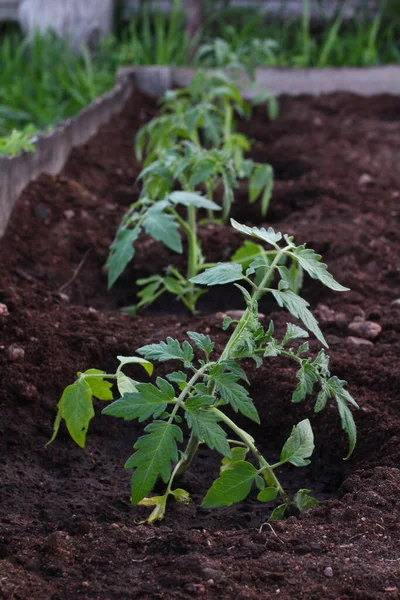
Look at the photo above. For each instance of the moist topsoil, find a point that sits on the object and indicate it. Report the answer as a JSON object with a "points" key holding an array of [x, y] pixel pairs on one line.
{"points": [[67, 527]]}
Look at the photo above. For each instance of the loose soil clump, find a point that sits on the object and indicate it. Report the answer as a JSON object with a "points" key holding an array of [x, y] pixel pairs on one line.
{"points": [[67, 529]]}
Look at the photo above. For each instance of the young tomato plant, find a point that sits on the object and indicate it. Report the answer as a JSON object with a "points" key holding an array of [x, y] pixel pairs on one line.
{"points": [[199, 394]]}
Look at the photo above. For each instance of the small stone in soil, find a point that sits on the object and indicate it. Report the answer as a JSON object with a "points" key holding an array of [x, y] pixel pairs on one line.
{"points": [[328, 572], [365, 179], [365, 329], [359, 341], [396, 303], [3, 310], [15, 352]]}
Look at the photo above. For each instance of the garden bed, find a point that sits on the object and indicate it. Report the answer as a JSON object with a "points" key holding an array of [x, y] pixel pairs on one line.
{"points": [[67, 527]]}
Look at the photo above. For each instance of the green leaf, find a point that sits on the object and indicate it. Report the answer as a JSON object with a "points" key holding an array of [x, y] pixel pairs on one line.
{"points": [[219, 275], [322, 398], [297, 306], [169, 350], [268, 494], [322, 363], [204, 424], [278, 513], [136, 360], [148, 401], [343, 398], [232, 486], [310, 261], [260, 178], [163, 228], [226, 322], [153, 456], [273, 348], [100, 388], [178, 377], [302, 500], [247, 253], [121, 253], [234, 394], [238, 453], [204, 170], [125, 384], [202, 341], [299, 446], [293, 332], [76, 409], [193, 199], [267, 235], [307, 376]]}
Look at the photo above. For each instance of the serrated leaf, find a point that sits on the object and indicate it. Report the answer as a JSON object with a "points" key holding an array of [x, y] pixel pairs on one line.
{"points": [[307, 376], [268, 494], [311, 262], [278, 513], [204, 424], [273, 348], [169, 350], [342, 396], [148, 401], [322, 363], [136, 360], [202, 341], [267, 235], [232, 486], [100, 388], [234, 394], [293, 332], [177, 377], [153, 456], [299, 446], [125, 384], [193, 199], [163, 228], [121, 253], [322, 398], [303, 348], [303, 500], [220, 274], [76, 409], [232, 367], [297, 306]]}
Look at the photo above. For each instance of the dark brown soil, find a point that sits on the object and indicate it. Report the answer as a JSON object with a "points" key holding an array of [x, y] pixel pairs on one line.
{"points": [[67, 528]]}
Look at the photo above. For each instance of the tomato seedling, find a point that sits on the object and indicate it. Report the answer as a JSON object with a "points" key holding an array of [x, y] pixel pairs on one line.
{"points": [[195, 398]]}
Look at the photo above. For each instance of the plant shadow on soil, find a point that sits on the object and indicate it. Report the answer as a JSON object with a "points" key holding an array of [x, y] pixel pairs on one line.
{"points": [[67, 527]]}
